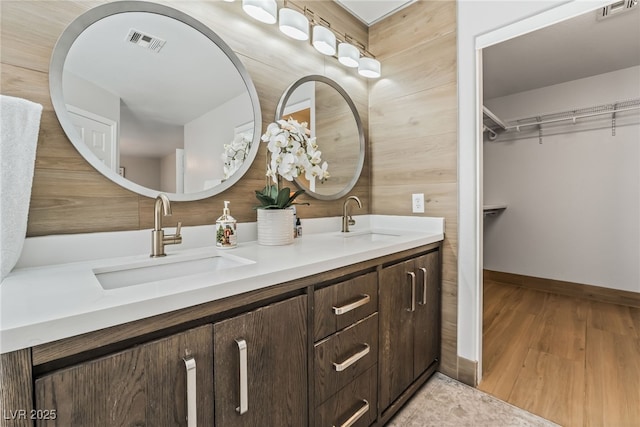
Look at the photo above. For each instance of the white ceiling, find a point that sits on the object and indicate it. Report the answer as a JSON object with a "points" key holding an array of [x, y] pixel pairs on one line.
{"points": [[577, 48], [372, 11], [573, 49]]}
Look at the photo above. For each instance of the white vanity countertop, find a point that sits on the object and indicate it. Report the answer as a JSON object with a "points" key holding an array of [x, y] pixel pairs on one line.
{"points": [[40, 304]]}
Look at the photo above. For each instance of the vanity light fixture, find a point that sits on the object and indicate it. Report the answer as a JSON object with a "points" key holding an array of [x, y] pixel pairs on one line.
{"points": [[369, 67], [262, 10], [324, 40], [294, 24], [348, 55]]}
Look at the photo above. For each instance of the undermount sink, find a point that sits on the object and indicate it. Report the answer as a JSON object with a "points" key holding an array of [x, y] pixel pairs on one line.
{"points": [[170, 267], [369, 235]]}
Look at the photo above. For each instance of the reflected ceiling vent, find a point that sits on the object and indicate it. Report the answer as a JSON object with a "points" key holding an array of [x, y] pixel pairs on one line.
{"points": [[614, 9], [146, 41]]}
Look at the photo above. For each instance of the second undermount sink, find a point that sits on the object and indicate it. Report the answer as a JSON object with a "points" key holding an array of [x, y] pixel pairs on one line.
{"points": [[171, 267]]}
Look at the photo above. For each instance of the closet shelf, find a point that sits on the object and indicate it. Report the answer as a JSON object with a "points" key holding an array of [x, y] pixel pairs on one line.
{"points": [[492, 124], [493, 210]]}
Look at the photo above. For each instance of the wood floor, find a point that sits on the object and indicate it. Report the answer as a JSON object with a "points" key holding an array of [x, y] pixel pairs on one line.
{"points": [[573, 361]]}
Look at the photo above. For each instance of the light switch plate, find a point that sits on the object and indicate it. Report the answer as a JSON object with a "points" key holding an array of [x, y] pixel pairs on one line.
{"points": [[417, 203]]}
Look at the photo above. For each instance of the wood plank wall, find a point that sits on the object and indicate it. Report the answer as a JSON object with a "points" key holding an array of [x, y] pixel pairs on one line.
{"points": [[69, 196], [413, 133]]}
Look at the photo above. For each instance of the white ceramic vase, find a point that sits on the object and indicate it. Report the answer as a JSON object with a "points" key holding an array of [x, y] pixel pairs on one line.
{"points": [[275, 226]]}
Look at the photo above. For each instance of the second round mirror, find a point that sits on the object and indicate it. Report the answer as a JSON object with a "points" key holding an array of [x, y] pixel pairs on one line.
{"points": [[333, 119]]}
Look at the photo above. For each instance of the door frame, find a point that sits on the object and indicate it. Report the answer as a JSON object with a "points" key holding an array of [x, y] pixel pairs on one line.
{"points": [[544, 19]]}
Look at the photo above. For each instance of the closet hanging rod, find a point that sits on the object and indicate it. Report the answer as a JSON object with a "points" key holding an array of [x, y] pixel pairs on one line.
{"points": [[574, 118]]}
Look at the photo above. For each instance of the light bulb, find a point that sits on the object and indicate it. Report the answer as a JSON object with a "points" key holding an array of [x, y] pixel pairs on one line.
{"points": [[348, 55], [262, 10], [294, 24], [324, 40], [369, 67]]}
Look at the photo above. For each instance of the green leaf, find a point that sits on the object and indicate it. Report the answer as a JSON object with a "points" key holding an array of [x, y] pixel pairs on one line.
{"points": [[283, 198]]}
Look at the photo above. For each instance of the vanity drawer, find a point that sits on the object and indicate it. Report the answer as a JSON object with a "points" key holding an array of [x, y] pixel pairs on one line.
{"points": [[338, 306], [344, 356], [356, 402]]}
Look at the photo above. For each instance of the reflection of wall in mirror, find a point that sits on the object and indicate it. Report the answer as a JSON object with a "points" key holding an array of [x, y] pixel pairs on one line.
{"points": [[144, 171], [88, 96], [337, 137], [204, 142]]}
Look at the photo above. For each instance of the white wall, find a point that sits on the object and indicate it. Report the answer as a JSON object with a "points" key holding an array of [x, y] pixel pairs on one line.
{"points": [[90, 97], [144, 171], [204, 140], [168, 178], [495, 21], [574, 204]]}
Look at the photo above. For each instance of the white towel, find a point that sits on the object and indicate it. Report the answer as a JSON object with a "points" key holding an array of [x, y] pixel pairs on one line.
{"points": [[19, 126]]}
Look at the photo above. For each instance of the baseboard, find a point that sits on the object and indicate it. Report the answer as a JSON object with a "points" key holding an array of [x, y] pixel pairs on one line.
{"points": [[468, 371], [590, 292]]}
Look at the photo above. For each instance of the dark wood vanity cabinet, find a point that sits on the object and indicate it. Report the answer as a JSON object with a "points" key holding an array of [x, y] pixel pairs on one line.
{"points": [[146, 385], [344, 347], [346, 352], [260, 367], [409, 323]]}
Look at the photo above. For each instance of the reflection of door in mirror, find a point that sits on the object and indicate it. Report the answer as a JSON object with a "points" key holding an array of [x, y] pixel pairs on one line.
{"points": [[99, 133]]}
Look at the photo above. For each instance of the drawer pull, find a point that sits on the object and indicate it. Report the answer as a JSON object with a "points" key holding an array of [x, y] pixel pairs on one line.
{"points": [[413, 291], [356, 415], [352, 306], [351, 360], [192, 417], [424, 286], [244, 394]]}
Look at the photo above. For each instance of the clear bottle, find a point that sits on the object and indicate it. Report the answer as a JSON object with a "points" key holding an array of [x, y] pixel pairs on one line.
{"points": [[226, 225], [298, 228]]}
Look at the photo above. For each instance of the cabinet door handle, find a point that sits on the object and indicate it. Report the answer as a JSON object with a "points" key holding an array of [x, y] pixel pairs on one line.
{"points": [[352, 359], [413, 291], [244, 393], [192, 417], [424, 286], [352, 306], [356, 415]]}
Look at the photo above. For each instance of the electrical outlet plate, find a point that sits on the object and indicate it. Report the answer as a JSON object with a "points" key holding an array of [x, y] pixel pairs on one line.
{"points": [[417, 203]]}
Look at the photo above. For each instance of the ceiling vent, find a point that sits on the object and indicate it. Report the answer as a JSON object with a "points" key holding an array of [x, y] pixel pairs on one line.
{"points": [[614, 9], [146, 41]]}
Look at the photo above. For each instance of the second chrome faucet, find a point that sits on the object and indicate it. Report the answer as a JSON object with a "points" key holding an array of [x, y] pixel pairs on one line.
{"points": [[162, 208], [347, 220]]}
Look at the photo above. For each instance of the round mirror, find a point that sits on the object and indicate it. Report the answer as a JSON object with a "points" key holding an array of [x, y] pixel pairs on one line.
{"points": [[155, 100], [333, 119]]}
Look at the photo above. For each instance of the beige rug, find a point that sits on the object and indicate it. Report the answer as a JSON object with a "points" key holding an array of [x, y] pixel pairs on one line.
{"points": [[444, 402]]}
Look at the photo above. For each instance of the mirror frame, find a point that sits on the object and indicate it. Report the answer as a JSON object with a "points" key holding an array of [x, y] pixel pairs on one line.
{"points": [[356, 176], [56, 68]]}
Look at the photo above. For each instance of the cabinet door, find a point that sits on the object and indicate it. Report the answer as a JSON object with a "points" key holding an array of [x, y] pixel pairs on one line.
{"points": [[274, 340], [426, 346], [143, 386], [396, 331]]}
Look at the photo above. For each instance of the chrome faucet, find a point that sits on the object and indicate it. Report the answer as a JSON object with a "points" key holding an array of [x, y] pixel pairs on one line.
{"points": [[347, 220], [158, 239]]}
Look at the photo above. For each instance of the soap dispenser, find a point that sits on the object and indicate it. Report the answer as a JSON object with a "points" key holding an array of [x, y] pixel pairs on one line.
{"points": [[226, 229]]}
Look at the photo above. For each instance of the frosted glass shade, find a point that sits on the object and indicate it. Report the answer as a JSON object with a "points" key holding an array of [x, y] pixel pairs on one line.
{"points": [[369, 67], [262, 10], [348, 55], [324, 40], [294, 24]]}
